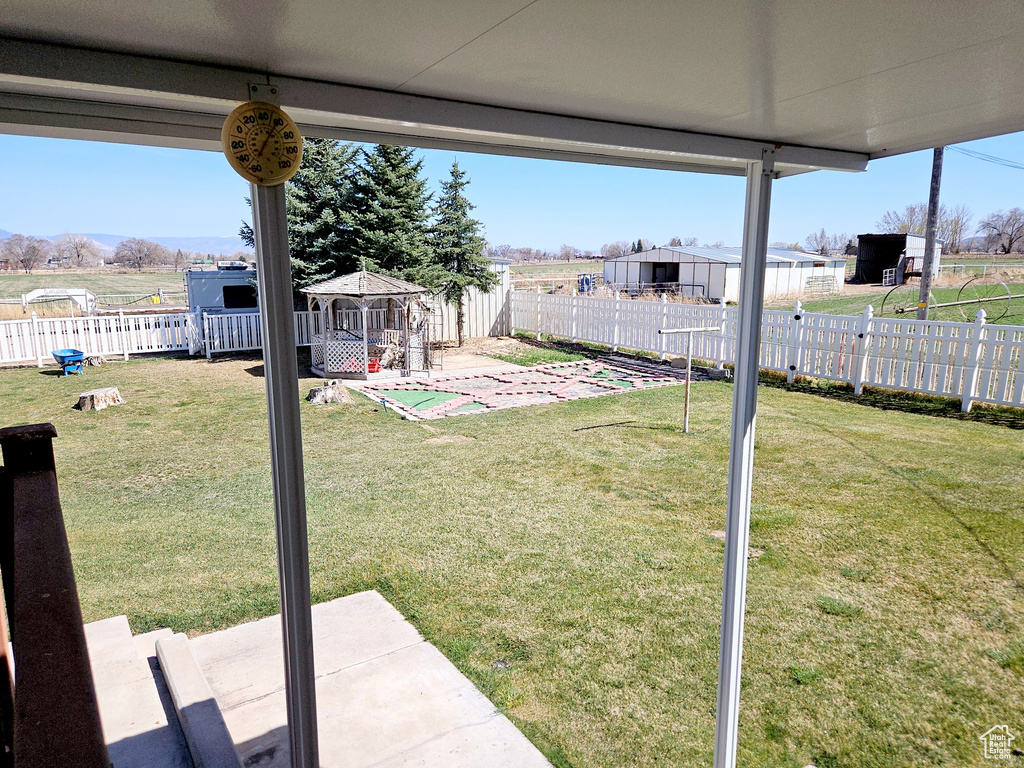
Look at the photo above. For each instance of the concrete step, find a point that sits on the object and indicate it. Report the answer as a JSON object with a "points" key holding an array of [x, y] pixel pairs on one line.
{"points": [[145, 644], [135, 722], [385, 697], [207, 737]]}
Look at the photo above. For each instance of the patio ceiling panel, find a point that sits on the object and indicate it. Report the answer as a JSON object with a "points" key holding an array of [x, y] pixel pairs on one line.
{"points": [[123, 94], [844, 76]]}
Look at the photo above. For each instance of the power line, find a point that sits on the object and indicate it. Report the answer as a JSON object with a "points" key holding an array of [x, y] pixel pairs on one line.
{"points": [[1004, 162]]}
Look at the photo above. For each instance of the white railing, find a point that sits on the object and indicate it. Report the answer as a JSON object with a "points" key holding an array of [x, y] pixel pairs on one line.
{"points": [[241, 332], [33, 340], [975, 362]]}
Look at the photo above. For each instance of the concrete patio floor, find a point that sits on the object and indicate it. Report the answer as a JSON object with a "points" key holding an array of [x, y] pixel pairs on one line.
{"points": [[385, 696]]}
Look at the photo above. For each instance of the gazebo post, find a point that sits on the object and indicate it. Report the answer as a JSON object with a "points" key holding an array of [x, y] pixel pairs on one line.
{"points": [[327, 325], [407, 321], [366, 339]]}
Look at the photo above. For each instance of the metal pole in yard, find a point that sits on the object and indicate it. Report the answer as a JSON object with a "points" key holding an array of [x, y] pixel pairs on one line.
{"points": [[741, 456], [274, 279], [929, 235]]}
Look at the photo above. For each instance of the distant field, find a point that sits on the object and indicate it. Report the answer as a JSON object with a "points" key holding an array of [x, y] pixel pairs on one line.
{"points": [[1015, 259], [854, 304], [12, 286], [557, 268]]}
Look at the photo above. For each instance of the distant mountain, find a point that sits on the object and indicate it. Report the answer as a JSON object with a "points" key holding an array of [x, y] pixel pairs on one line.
{"points": [[221, 246]]}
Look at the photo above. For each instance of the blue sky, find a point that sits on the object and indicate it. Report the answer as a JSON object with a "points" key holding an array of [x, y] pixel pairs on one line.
{"points": [[52, 186]]}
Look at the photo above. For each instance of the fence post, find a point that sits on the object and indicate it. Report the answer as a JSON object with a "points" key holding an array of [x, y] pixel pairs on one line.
{"points": [[973, 372], [123, 334], [537, 329], [664, 322], [207, 342], [860, 359], [615, 325], [37, 344], [509, 312], [720, 362], [795, 347], [572, 337]]}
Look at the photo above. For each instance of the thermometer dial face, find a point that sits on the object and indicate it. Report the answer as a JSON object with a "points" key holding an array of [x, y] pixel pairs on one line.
{"points": [[262, 143]]}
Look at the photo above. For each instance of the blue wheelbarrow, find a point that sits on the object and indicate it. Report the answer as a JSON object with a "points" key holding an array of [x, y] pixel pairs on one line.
{"points": [[69, 360]]}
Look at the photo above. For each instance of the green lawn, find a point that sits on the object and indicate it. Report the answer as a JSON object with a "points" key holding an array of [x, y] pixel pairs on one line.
{"points": [[563, 556], [13, 285], [847, 304], [557, 268]]}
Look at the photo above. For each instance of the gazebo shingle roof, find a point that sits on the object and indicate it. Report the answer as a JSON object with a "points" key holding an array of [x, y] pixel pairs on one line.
{"points": [[363, 283]]}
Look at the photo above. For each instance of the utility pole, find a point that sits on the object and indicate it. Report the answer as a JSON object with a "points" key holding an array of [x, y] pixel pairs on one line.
{"points": [[929, 236]]}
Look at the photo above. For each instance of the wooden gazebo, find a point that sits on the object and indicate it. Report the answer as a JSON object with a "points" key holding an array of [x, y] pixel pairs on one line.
{"points": [[372, 326]]}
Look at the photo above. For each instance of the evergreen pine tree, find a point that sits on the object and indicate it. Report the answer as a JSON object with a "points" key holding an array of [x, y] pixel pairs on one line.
{"points": [[319, 205], [319, 202], [458, 261], [389, 217]]}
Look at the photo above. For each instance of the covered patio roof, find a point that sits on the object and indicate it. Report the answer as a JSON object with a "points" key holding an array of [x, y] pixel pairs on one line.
{"points": [[661, 84]]}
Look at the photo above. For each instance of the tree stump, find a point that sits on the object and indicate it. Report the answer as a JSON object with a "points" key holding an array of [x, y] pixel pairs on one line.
{"points": [[330, 392], [98, 399]]}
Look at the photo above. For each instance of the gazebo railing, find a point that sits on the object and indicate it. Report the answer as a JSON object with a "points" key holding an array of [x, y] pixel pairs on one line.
{"points": [[380, 337], [352, 319], [343, 351]]}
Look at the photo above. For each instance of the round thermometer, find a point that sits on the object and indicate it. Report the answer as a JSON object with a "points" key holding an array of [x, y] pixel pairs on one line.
{"points": [[262, 143]]}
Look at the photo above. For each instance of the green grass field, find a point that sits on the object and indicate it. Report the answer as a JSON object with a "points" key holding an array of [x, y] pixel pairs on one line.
{"points": [[854, 304], [13, 285], [557, 268], [565, 556]]}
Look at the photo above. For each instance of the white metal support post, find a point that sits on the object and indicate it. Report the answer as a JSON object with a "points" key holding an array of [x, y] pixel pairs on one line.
{"points": [[274, 278], [741, 456]]}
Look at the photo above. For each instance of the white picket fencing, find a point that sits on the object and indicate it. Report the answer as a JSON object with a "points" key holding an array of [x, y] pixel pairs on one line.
{"points": [[975, 362], [970, 361], [33, 340]]}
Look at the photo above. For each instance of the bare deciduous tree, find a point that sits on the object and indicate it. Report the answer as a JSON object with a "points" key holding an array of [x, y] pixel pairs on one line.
{"points": [[1003, 230], [77, 250], [824, 243], [137, 253], [568, 252], [29, 252], [616, 249], [957, 220], [951, 225], [690, 242]]}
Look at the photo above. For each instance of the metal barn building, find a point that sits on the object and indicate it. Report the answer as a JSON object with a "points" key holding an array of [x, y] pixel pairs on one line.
{"points": [[714, 273], [903, 253]]}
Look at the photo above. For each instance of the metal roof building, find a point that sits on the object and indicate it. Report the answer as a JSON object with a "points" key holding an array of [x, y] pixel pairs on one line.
{"points": [[714, 272]]}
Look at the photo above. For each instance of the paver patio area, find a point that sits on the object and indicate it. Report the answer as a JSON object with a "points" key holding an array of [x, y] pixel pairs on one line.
{"points": [[539, 385]]}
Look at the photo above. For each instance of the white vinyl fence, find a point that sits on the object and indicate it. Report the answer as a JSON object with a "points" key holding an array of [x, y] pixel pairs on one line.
{"points": [[33, 340], [975, 362]]}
